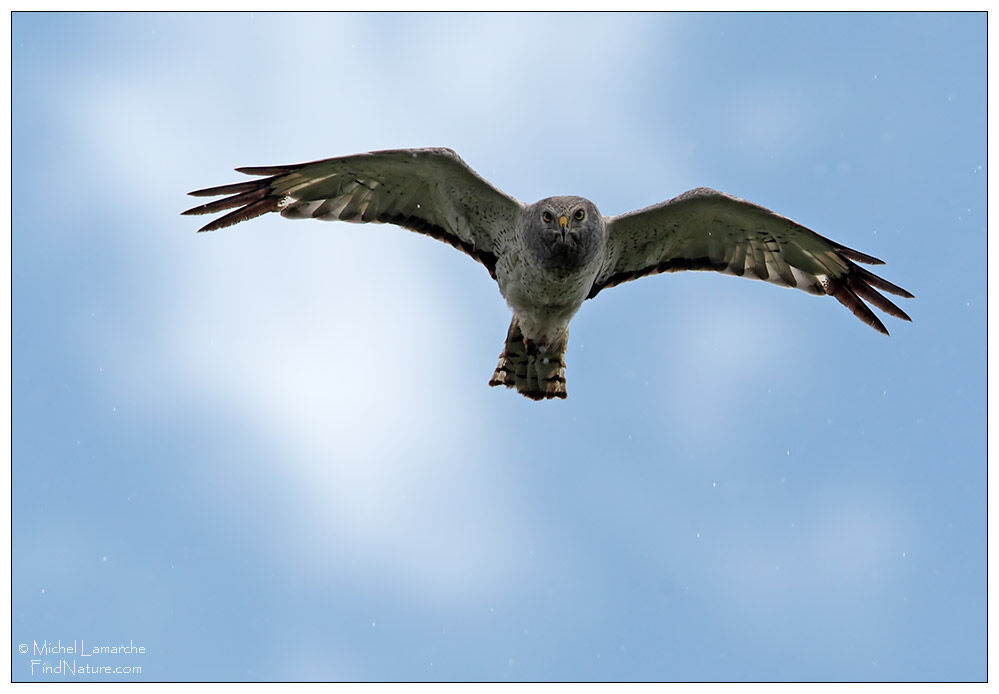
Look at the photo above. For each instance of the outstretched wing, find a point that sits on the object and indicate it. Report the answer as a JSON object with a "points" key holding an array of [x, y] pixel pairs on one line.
{"points": [[704, 229], [431, 191]]}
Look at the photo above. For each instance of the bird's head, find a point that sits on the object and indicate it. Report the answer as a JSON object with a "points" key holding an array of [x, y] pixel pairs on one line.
{"points": [[565, 232]]}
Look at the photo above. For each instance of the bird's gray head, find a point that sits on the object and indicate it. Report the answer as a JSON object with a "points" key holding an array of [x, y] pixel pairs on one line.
{"points": [[565, 233]]}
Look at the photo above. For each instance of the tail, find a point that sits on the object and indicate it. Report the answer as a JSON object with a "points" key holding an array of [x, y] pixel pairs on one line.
{"points": [[536, 371]]}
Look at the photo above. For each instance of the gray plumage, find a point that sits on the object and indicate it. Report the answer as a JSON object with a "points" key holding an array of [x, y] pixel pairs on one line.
{"points": [[549, 257]]}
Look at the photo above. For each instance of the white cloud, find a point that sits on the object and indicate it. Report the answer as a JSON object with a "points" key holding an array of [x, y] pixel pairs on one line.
{"points": [[365, 391], [340, 348]]}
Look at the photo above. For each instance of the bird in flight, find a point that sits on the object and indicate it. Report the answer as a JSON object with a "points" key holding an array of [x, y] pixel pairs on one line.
{"points": [[550, 256]]}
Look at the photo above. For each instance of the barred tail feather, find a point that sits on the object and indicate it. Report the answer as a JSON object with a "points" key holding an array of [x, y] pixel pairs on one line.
{"points": [[536, 371]]}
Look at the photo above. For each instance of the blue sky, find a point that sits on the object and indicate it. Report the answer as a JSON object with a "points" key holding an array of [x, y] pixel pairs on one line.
{"points": [[270, 452]]}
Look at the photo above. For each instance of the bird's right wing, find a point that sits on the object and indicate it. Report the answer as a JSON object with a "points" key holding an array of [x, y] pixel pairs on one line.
{"points": [[704, 229], [431, 191]]}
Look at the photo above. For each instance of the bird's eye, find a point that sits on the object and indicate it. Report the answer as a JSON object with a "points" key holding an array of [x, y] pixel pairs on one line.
{"points": [[546, 216], [579, 214]]}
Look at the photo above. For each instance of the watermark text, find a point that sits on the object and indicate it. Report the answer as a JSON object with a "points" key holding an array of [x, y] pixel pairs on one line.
{"points": [[82, 659]]}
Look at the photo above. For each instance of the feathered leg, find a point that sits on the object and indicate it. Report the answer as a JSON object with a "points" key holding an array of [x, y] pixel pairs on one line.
{"points": [[536, 371]]}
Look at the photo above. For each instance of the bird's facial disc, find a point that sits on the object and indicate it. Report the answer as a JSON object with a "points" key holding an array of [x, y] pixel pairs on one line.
{"points": [[566, 232]]}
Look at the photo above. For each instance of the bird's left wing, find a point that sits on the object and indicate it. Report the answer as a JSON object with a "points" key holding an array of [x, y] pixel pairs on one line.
{"points": [[704, 229], [431, 191]]}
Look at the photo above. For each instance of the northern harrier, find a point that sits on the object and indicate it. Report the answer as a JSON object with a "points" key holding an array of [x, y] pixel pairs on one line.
{"points": [[551, 256]]}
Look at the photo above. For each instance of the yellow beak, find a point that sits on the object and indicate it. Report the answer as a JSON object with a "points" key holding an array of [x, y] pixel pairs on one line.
{"points": [[563, 223]]}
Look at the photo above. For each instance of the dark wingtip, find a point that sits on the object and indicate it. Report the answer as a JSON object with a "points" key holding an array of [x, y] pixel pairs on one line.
{"points": [[851, 253], [876, 324], [265, 170], [858, 256], [251, 211], [844, 294], [878, 300], [229, 189], [238, 200], [211, 226], [880, 282]]}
